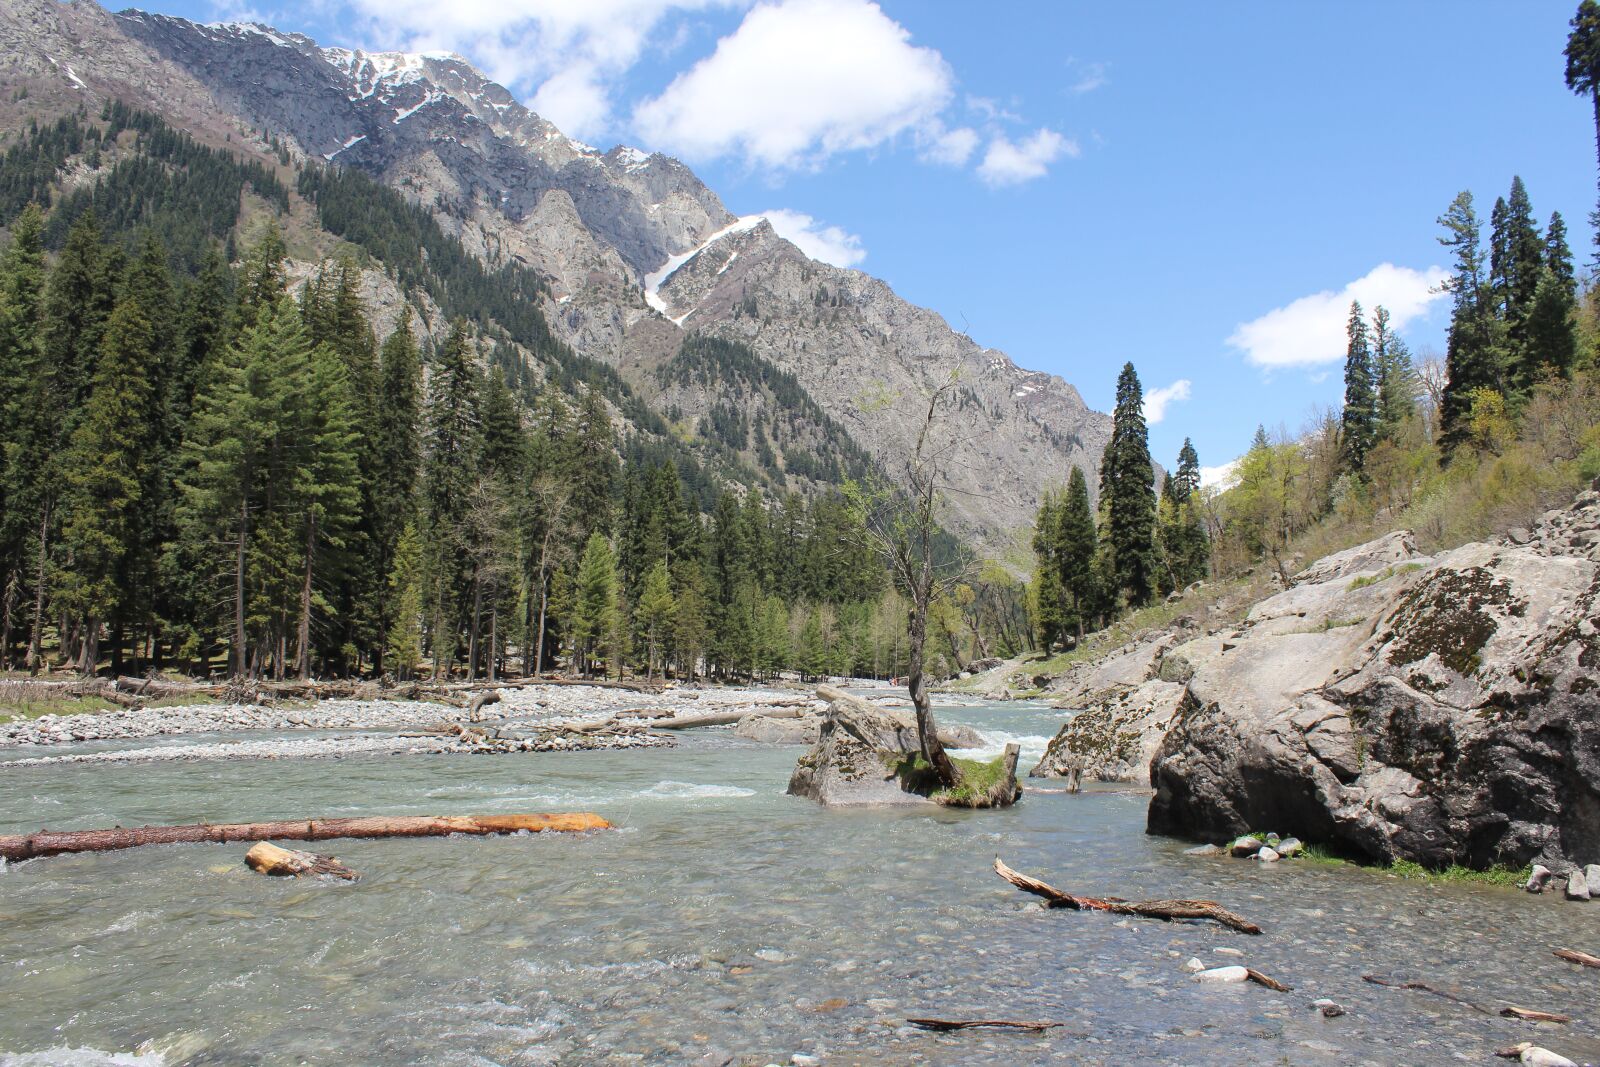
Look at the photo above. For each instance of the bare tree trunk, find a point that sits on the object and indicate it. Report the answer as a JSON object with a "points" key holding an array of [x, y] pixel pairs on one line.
{"points": [[544, 606], [9, 607], [36, 633], [303, 653], [494, 639], [238, 651], [927, 729], [91, 647], [477, 623]]}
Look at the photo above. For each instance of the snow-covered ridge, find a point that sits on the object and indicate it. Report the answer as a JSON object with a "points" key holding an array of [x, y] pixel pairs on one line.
{"points": [[656, 278]]}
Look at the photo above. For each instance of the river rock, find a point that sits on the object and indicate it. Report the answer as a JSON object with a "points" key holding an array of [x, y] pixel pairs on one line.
{"points": [[856, 760], [765, 728], [1203, 850], [1193, 965], [1222, 975], [1539, 1057], [1268, 854], [1577, 886], [1114, 739], [1246, 846], [1330, 1009], [1538, 878], [1591, 874], [1290, 847], [1446, 713]]}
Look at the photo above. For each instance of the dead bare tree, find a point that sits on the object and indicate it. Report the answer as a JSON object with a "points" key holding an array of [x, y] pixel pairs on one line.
{"points": [[900, 523]]}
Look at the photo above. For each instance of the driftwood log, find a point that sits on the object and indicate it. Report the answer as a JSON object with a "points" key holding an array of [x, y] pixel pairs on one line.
{"points": [[1166, 910], [1424, 987], [1572, 955], [267, 858], [45, 843], [481, 701], [946, 1025], [1534, 1016]]}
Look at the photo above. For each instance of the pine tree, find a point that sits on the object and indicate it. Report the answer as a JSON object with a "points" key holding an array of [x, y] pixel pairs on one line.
{"points": [[1360, 417], [1127, 483], [654, 612], [1398, 386], [403, 649], [22, 284], [1049, 614], [327, 483], [1552, 335], [452, 449], [1583, 71], [105, 472], [594, 613], [1557, 256], [1186, 546], [397, 462], [1079, 547], [1472, 353]]}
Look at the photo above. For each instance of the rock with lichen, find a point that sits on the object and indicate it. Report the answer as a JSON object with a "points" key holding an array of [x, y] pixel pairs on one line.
{"points": [[1441, 711]]}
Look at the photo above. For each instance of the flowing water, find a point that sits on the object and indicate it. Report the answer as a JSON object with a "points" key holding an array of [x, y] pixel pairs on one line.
{"points": [[724, 920]]}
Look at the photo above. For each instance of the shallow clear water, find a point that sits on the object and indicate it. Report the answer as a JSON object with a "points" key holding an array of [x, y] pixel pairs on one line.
{"points": [[724, 918]]}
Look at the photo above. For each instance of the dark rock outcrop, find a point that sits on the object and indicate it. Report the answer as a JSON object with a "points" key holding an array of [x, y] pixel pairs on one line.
{"points": [[1440, 711]]}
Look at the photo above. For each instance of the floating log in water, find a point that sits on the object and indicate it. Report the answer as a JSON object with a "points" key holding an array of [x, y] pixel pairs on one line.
{"points": [[46, 843], [1167, 910], [1423, 987], [267, 858], [945, 1025], [1261, 979], [1572, 955]]}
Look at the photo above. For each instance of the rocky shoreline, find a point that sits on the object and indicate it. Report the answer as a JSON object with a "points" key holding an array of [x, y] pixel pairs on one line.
{"points": [[1442, 710], [527, 718]]}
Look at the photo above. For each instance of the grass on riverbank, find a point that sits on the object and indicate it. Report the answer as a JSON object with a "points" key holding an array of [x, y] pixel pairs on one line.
{"points": [[24, 699], [979, 778], [1452, 875]]}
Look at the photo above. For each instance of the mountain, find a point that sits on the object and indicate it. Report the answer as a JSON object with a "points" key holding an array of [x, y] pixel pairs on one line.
{"points": [[635, 252]]}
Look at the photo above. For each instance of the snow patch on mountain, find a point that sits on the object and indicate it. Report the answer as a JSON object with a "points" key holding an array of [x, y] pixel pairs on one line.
{"points": [[656, 278]]}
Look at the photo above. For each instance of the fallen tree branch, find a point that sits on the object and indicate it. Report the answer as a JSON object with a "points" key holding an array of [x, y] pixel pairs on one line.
{"points": [[1166, 910], [945, 1025], [1572, 955], [1262, 979], [45, 843], [1423, 987], [267, 858], [1534, 1016]]}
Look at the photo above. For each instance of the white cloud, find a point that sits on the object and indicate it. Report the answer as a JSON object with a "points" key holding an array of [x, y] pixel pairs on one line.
{"points": [[1222, 476], [830, 244], [798, 81], [1091, 76], [1311, 330], [1156, 400], [1008, 163], [952, 148], [573, 51]]}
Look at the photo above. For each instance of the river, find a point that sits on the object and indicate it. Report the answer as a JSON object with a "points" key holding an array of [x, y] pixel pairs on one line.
{"points": [[723, 920]]}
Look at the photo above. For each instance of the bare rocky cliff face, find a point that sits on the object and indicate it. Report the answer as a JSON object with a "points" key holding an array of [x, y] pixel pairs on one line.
{"points": [[638, 250]]}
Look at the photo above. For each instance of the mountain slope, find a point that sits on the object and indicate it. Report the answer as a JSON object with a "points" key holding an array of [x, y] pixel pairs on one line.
{"points": [[635, 249]]}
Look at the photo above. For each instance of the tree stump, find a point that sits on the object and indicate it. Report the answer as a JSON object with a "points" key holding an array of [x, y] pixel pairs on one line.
{"points": [[267, 858]]}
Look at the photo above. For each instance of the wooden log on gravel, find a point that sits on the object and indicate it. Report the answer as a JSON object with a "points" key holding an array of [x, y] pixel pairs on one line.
{"points": [[946, 1025], [1534, 1015], [267, 858], [45, 843], [479, 702], [1166, 910], [1424, 987], [1572, 955]]}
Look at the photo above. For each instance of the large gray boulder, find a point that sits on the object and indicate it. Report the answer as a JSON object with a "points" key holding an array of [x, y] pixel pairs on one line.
{"points": [[1115, 740], [1448, 713], [861, 757]]}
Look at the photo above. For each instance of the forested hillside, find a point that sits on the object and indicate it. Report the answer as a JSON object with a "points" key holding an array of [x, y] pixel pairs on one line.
{"points": [[210, 468]]}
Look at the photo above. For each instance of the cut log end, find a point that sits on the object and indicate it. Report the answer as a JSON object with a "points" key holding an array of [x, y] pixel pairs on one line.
{"points": [[267, 858]]}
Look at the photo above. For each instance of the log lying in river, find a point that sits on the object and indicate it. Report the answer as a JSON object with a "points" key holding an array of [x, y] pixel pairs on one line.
{"points": [[45, 843], [266, 858], [1168, 910]]}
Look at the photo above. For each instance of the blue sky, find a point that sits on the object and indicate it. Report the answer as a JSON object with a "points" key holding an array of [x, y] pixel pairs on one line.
{"points": [[1076, 183]]}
